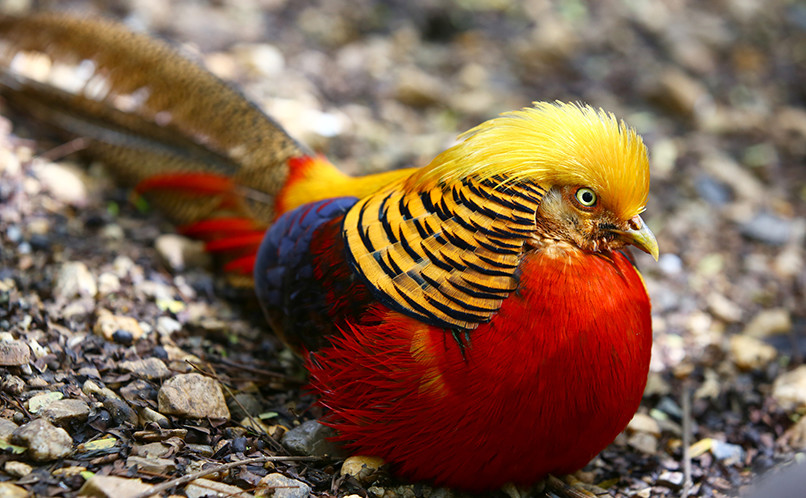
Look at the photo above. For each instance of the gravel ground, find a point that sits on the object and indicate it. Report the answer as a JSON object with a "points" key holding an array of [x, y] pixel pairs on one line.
{"points": [[107, 320]]}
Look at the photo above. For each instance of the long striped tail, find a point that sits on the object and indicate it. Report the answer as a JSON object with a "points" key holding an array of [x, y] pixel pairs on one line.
{"points": [[196, 147]]}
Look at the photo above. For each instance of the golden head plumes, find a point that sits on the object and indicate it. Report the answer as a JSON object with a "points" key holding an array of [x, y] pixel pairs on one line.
{"points": [[552, 144]]}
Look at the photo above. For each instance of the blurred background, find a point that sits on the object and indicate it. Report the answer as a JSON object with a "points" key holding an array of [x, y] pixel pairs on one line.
{"points": [[718, 91]]}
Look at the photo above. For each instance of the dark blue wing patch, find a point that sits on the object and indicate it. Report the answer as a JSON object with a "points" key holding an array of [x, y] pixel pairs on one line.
{"points": [[284, 256]]}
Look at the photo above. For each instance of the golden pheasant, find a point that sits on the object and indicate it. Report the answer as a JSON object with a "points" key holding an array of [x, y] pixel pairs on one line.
{"points": [[473, 322]]}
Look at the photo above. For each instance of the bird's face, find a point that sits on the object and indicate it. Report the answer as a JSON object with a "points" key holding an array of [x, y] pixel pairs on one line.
{"points": [[577, 217]]}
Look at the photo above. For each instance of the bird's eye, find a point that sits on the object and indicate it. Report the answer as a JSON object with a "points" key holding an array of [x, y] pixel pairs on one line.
{"points": [[586, 197]]}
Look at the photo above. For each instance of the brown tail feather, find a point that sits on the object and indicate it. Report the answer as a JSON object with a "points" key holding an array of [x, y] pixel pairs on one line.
{"points": [[145, 110]]}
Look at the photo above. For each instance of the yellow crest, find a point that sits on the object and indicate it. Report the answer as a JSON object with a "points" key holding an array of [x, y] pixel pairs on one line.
{"points": [[551, 144]]}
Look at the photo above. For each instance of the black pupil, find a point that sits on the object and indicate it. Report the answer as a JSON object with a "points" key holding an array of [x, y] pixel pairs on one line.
{"points": [[587, 197]]}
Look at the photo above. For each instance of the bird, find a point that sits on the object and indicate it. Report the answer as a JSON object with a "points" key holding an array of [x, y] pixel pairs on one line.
{"points": [[474, 322]]}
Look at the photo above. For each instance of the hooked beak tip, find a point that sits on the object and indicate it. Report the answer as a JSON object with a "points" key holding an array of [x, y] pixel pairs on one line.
{"points": [[641, 237]]}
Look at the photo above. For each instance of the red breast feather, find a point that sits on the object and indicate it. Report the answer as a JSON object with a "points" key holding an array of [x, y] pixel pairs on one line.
{"points": [[542, 388]]}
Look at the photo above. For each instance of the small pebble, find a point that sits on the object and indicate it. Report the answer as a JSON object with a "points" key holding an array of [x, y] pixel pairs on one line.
{"points": [[124, 337], [70, 471], [726, 452], [17, 469], [723, 308], [311, 438], [64, 181], [769, 322], [14, 353], [12, 385], [108, 283], [180, 253], [167, 326], [363, 469], [749, 353], [643, 442], [672, 480], [44, 441], [284, 487], [7, 427], [9, 490], [789, 389], [107, 325], [643, 423], [42, 400], [149, 368], [713, 191], [120, 411], [205, 488], [74, 280], [148, 415], [670, 264], [670, 407], [768, 228], [14, 234], [66, 410], [101, 486], [193, 396], [152, 450], [39, 242], [151, 465]]}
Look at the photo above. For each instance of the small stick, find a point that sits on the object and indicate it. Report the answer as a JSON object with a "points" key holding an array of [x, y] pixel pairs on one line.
{"points": [[686, 405], [65, 149], [165, 486]]}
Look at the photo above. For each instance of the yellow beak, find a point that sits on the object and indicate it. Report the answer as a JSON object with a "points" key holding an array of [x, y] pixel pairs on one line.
{"points": [[640, 236]]}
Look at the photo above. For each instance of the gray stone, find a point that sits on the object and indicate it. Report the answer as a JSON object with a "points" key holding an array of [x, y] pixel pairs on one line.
{"points": [[14, 353], [726, 451], [44, 441], [668, 406], [66, 410], [311, 438], [150, 368], [243, 405], [768, 228], [193, 396], [280, 486]]}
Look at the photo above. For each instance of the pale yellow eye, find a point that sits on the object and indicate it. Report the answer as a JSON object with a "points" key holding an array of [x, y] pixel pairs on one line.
{"points": [[586, 197]]}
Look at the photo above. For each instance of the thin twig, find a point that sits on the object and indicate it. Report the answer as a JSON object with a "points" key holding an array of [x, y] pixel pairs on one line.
{"points": [[165, 486], [686, 405], [65, 149]]}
